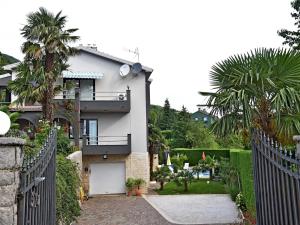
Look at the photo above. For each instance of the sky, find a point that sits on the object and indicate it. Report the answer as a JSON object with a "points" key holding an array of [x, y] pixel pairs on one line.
{"points": [[180, 39]]}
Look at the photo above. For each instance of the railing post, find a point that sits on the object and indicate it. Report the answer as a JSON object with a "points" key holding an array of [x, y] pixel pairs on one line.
{"points": [[128, 95], [296, 138], [129, 141], [83, 141], [77, 117]]}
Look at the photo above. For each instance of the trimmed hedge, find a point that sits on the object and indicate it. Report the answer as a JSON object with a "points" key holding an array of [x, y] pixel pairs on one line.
{"points": [[195, 154], [242, 161]]}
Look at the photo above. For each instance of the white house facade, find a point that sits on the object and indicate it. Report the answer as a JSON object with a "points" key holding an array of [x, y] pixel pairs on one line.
{"points": [[109, 121]]}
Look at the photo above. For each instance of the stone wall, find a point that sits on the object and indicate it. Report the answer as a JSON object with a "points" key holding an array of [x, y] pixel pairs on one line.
{"points": [[11, 157], [137, 166]]}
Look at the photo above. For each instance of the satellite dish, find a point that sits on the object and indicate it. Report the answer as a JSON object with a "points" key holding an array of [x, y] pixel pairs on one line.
{"points": [[124, 70], [136, 68], [5, 123]]}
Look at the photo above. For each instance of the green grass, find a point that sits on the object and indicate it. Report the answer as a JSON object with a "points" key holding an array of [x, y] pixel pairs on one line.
{"points": [[197, 187]]}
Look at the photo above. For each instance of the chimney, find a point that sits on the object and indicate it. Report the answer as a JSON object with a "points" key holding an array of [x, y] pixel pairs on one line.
{"points": [[92, 46]]}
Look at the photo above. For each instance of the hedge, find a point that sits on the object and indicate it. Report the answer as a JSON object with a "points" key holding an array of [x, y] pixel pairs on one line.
{"points": [[195, 154], [242, 161]]}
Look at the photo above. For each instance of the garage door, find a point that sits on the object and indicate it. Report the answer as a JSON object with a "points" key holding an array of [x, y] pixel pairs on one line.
{"points": [[107, 178]]}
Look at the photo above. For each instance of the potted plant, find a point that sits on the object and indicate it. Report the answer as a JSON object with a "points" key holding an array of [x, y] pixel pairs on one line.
{"points": [[138, 183], [129, 185]]}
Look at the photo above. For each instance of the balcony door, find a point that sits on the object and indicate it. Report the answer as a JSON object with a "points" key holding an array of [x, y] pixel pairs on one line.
{"points": [[89, 127], [87, 89]]}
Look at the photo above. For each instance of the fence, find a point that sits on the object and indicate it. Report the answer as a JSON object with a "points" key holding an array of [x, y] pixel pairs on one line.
{"points": [[276, 181], [36, 204]]}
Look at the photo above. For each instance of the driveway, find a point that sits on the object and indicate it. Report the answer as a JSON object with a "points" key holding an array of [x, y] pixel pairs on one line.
{"points": [[159, 210], [196, 209], [115, 210]]}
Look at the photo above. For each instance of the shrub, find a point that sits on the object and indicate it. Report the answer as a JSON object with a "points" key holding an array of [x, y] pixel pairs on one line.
{"points": [[129, 184], [240, 202], [198, 169], [162, 175], [64, 146], [67, 185], [178, 161], [233, 191], [183, 177], [139, 182]]}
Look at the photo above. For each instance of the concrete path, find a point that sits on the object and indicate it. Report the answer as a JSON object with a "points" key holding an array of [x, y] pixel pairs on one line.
{"points": [[196, 209]]}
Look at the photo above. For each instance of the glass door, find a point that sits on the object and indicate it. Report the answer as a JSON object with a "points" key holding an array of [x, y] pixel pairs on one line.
{"points": [[93, 133], [87, 90]]}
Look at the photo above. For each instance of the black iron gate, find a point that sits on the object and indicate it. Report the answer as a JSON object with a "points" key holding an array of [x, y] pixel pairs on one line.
{"points": [[36, 203], [277, 182]]}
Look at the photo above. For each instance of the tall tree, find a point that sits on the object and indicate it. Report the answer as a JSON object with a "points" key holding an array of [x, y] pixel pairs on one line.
{"points": [[261, 89], [46, 52], [292, 38], [167, 119], [184, 115]]}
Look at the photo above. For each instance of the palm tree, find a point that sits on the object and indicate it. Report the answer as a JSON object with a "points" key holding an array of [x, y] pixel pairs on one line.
{"points": [[46, 52], [258, 89]]}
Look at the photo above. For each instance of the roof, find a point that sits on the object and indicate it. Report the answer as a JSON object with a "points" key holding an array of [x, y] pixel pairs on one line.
{"points": [[94, 52], [204, 113], [113, 58], [11, 66], [4, 79], [85, 75]]}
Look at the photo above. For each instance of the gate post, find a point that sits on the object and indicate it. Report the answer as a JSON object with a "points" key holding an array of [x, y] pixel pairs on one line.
{"points": [[11, 158], [296, 138]]}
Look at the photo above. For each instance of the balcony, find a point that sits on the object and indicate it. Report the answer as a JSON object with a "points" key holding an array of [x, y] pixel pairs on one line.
{"points": [[110, 145], [99, 101]]}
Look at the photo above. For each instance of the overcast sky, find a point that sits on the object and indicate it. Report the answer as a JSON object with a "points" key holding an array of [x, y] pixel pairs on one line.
{"points": [[179, 39]]}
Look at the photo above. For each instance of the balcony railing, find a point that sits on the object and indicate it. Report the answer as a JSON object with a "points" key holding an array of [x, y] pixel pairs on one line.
{"points": [[94, 96], [98, 101], [106, 145]]}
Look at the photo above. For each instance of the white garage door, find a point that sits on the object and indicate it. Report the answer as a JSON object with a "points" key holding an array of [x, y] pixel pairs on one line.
{"points": [[107, 178]]}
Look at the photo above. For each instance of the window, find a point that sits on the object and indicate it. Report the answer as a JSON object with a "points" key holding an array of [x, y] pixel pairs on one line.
{"points": [[4, 95], [205, 119]]}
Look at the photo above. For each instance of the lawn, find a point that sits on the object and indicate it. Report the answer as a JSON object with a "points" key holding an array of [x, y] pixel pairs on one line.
{"points": [[197, 187]]}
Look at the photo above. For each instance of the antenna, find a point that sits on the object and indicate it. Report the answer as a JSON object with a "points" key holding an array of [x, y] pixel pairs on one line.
{"points": [[136, 52]]}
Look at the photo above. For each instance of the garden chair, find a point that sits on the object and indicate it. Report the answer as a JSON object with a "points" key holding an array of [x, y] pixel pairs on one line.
{"points": [[186, 166]]}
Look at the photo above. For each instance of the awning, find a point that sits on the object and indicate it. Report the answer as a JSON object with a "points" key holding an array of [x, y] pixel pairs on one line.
{"points": [[82, 75]]}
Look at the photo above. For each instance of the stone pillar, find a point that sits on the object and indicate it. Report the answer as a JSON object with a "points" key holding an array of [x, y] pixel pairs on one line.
{"points": [[11, 157], [296, 138]]}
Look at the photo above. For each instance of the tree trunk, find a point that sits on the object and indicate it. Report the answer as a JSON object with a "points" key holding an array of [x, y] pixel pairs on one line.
{"points": [[151, 164], [49, 103], [161, 185], [185, 186], [49, 64]]}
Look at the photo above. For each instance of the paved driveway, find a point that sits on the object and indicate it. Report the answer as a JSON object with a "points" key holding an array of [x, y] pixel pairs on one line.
{"points": [[179, 209], [196, 209], [115, 210]]}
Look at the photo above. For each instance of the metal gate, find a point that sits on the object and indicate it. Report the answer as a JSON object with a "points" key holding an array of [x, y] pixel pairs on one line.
{"points": [[277, 182], [36, 202]]}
